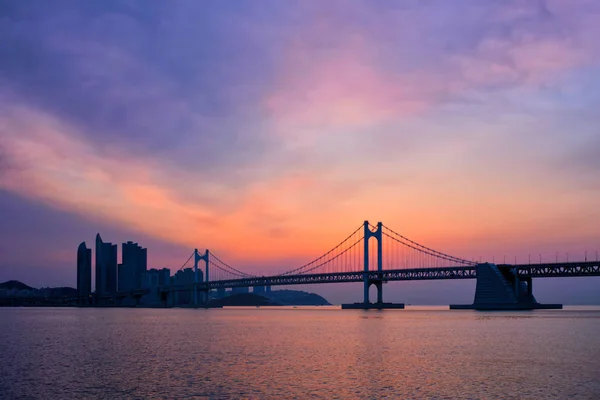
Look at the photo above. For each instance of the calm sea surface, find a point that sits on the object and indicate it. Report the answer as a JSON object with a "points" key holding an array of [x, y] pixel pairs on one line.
{"points": [[69, 353]]}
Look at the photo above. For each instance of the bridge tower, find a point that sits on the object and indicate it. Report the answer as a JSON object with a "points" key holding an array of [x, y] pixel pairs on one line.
{"points": [[197, 258], [377, 234]]}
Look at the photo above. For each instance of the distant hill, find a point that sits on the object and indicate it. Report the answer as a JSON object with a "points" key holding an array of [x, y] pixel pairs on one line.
{"points": [[11, 285], [60, 292], [296, 298], [243, 299], [17, 286]]}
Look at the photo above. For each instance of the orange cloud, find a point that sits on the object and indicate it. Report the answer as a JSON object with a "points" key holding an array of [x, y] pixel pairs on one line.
{"points": [[293, 215], [58, 167]]}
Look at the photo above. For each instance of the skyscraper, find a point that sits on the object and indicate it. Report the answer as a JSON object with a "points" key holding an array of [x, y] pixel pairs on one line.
{"points": [[106, 266], [133, 267], [84, 270]]}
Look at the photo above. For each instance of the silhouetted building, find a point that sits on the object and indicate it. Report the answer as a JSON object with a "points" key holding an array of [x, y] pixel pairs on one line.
{"points": [[84, 270], [106, 266], [133, 267], [184, 277], [155, 278], [164, 277], [237, 290], [151, 279]]}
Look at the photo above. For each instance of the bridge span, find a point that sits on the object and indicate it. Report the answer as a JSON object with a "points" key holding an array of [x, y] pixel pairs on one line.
{"points": [[557, 270], [396, 258]]}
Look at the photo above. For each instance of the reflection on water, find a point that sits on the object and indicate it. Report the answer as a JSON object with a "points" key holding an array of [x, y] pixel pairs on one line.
{"points": [[285, 353]]}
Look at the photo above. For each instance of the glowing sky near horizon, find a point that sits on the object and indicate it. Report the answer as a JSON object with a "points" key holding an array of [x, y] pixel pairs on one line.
{"points": [[269, 130]]}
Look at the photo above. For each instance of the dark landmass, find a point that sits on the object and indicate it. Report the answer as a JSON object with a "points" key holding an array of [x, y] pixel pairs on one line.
{"points": [[296, 298], [276, 298], [14, 292], [14, 285], [60, 291], [243, 300]]}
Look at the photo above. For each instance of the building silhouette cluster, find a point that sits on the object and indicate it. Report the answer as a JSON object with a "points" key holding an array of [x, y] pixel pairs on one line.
{"points": [[110, 277]]}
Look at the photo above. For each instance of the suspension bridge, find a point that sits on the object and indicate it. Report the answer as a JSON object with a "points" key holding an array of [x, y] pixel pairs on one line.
{"points": [[394, 258]]}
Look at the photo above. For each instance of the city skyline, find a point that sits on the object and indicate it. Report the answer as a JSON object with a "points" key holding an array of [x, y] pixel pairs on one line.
{"points": [[474, 131], [400, 260], [109, 275]]}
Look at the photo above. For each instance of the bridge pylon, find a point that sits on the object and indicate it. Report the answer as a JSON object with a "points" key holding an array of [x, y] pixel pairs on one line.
{"points": [[377, 234], [370, 278], [197, 258]]}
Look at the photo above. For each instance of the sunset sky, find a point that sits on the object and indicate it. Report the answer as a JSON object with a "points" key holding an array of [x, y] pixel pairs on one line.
{"points": [[268, 130]]}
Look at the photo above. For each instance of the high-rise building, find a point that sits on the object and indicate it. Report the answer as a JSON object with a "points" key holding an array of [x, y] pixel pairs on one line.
{"points": [[133, 267], [84, 270], [164, 277], [155, 278], [183, 277], [106, 267], [122, 278]]}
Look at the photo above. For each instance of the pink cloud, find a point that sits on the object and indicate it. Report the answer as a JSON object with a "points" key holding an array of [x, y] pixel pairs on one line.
{"points": [[343, 87], [332, 78], [337, 73]]}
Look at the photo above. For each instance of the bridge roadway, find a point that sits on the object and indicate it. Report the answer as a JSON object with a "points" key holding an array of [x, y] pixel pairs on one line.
{"points": [[554, 270]]}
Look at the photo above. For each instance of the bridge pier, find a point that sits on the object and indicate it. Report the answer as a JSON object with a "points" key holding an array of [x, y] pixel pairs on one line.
{"points": [[501, 288], [379, 305]]}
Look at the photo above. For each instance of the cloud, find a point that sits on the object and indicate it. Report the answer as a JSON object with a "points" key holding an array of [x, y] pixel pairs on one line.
{"points": [[154, 82], [269, 130], [63, 169], [376, 66], [4, 163]]}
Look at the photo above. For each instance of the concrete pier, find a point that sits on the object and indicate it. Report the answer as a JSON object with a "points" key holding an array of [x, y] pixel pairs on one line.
{"points": [[500, 289]]}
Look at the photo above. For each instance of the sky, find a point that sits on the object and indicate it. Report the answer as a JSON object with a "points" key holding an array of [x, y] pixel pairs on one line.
{"points": [[267, 131]]}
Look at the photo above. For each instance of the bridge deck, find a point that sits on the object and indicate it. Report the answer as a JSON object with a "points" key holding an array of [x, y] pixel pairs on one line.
{"points": [[557, 270]]}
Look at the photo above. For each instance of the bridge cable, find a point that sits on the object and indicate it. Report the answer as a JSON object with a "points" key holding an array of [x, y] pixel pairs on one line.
{"points": [[185, 263], [323, 256], [227, 271], [440, 255], [446, 256], [337, 256], [224, 264]]}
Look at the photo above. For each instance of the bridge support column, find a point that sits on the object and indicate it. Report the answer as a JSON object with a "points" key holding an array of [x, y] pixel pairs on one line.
{"points": [[529, 287], [500, 288], [379, 286], [517, 282], [197, 258], [368, 234], [366, 262]]}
